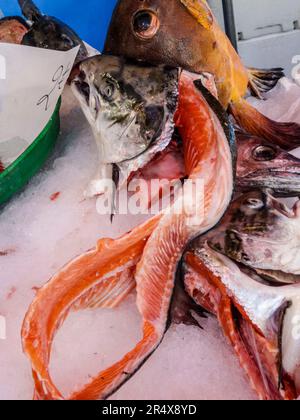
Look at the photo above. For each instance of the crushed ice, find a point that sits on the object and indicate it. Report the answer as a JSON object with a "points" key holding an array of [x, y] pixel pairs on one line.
{"points": [[48, 224]]}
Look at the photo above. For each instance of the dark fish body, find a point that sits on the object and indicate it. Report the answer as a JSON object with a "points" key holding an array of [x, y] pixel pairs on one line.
{"points": [[49, 32]]}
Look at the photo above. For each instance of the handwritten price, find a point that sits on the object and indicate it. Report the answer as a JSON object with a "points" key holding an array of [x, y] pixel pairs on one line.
{"points": [[58, 82]]}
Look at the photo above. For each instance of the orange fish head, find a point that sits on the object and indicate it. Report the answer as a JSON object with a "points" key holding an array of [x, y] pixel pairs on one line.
{"points": [[178, 33]]}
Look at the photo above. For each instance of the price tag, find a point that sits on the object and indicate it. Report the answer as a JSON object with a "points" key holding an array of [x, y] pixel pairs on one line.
{"points": [[31, 82]]}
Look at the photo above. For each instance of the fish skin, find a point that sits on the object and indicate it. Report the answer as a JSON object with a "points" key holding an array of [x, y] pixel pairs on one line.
{"points": [[185, 33], [262, 165], [49, 32], [131, 111], [188, 45], [151, 251], [258, 320]]}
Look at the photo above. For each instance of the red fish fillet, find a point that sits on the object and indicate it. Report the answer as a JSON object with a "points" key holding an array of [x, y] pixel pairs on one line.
{"points": [[147, 256]]}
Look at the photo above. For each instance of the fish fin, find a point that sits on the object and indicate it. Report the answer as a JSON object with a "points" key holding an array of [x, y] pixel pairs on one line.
{"points": [[30, 10], [200, 10], [262, 81], [2, 167], [285, 135], [110, 380]]}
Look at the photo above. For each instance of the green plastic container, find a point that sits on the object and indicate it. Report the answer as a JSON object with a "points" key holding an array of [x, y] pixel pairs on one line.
{"points": [[17, 175]]}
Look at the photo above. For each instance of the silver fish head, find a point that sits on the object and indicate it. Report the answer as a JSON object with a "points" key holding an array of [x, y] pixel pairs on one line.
{"points": [[262, 233], [263, 165], [127, 105]]}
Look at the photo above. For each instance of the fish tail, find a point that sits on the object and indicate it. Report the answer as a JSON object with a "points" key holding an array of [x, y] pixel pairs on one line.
{"points": [[30, 10], [114, 377], [2, 167], [262, 81], [285, 135]]}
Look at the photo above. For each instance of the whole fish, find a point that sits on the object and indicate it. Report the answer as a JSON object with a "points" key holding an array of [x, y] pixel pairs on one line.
{"points": [[12, 30], [259, 319], [262, 165], [185, 33], [131, 111], [262, 233], [49, 32], [148, 256]]}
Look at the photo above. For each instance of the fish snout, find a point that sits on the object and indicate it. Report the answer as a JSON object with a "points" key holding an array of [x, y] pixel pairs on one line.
{"points": [[74, 73], [281, 176]]}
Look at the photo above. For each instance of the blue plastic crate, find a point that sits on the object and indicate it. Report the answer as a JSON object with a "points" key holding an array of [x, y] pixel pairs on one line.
{"points": [[90, 18]]}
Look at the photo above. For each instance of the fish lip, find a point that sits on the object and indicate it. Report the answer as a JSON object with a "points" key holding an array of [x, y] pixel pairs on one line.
{"points": [[287, 171], [281, 180], [79, 82], [83, 89]]}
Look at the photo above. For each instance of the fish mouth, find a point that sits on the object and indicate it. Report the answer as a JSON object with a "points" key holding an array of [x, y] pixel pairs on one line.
{"points": [[284, 182], [83, 89], [78, 81]]}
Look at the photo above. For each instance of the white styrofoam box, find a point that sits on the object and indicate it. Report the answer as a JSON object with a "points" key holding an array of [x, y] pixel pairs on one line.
{"points": [[272, 51], [257, 18]]}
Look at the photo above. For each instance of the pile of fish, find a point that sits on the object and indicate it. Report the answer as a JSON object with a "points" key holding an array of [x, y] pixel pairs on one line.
{"points": [[149, 100]]}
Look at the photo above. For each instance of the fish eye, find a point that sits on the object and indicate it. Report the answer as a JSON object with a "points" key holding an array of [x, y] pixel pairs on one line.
{"points": [[145, 24], [264, 153], [108, 90], [254, 203]]}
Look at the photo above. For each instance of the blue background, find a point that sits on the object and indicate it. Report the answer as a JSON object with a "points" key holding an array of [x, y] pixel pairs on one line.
{"points": [[89, 18]]}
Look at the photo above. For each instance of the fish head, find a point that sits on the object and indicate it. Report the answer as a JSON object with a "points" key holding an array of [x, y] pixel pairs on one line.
{"points": [[162, 32], [50, 33], [127, 105], [261, 322], [262, 165], [262, 233]]}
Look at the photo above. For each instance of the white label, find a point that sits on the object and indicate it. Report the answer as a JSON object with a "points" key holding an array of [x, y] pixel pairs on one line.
{"points": [[31, 82]]}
